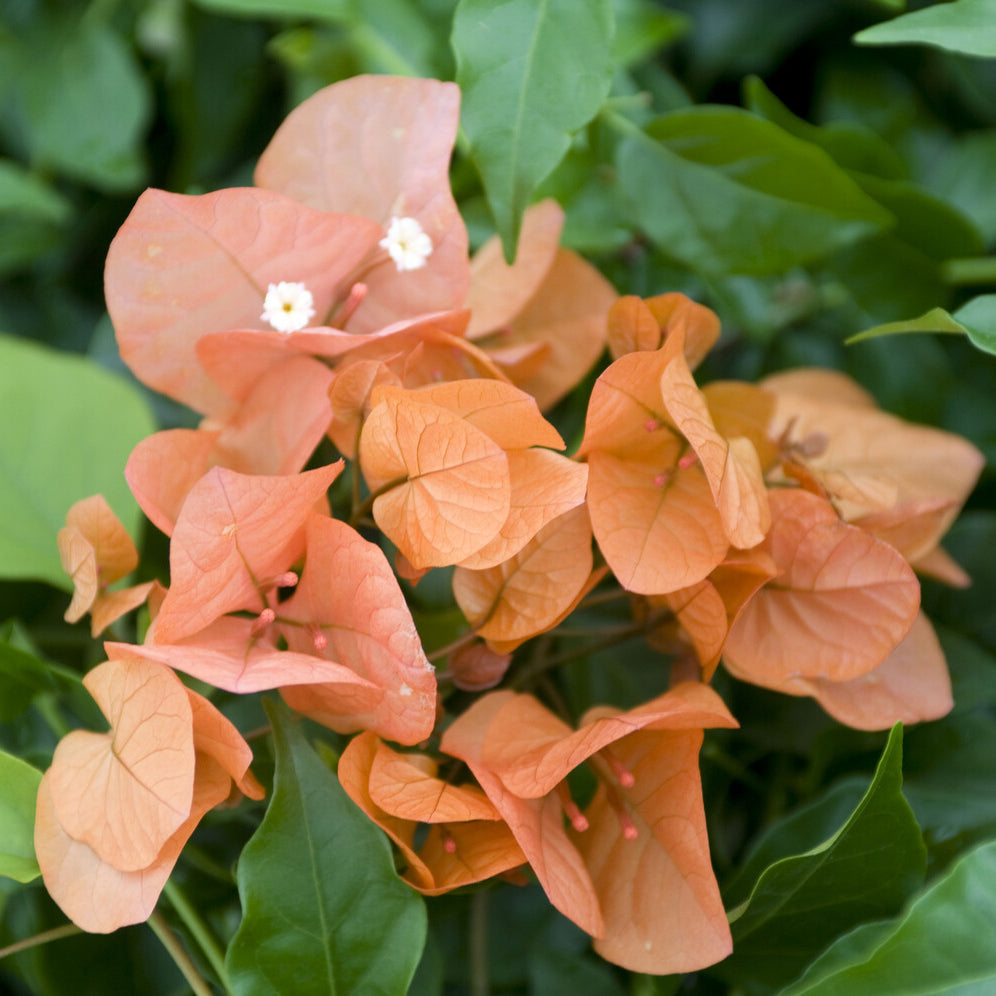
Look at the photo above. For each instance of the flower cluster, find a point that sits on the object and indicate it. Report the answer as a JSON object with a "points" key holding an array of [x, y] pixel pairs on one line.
{"points": [[773, 526]]}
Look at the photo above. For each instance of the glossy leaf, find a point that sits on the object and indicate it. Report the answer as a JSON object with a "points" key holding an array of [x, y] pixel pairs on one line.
{"points": [[532, 74], [323, 909], [46, 469], [724, 192], [866, 869], [938, 944], [17, 818]]}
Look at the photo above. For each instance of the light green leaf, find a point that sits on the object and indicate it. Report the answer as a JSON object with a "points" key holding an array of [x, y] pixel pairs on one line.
{"points": [[324, 911], [866, 869], [966, 26], [71, 427], [941, 943], [86, 105], [642, 27], [725, 192], [18, 792], [975, 319], [532, 72]]}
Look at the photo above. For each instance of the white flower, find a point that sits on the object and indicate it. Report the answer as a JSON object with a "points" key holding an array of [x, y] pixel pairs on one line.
{"points": [[288, 306], [408, 245]]}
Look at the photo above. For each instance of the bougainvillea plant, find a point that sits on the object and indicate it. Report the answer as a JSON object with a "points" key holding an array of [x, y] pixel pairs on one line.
{"points": [[384, 538]]}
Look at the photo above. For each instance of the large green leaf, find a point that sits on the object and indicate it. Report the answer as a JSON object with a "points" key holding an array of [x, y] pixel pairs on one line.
{"points": [[863, 871], [941, 943], [725, 192], [18, 791], [324, 911], [532, 72], [71, 428], [967, 26], [84, 103]]}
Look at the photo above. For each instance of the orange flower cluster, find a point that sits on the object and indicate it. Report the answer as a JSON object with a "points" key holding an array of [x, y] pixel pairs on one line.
{"points": [[775, 526]]}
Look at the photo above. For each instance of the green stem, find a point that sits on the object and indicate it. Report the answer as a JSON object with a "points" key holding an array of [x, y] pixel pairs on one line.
{"points": [[199, 929], [175, 949], [479, 985], [55, 934], [364, 509], [960, 272]]}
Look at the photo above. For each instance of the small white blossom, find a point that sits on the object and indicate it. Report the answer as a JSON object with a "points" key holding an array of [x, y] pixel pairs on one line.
{"points": [[288, 306], [408, 245]]}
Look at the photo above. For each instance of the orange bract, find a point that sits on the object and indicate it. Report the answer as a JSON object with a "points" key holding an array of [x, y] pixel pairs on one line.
{"points": [[379, 146], [840, 603], [234, 532], [467, 841], [115, 809], [647, 813]]}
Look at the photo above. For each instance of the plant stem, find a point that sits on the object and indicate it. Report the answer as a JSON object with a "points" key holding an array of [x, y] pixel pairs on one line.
{"points": [[172, 944], [479, 985], [198, 928], [970, 271], [55, 934]]}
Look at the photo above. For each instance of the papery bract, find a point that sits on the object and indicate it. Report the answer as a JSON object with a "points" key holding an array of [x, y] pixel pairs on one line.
{"points": [[527, 594], [234, 532], [96, 551], [349, 599], [840, 604], [543, 319], [379, 146], [125, 793], [649, 802], [182, 266], [467, 840], [102, 880]]}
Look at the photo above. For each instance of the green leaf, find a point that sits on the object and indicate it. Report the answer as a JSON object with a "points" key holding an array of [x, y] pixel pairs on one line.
{"points": [[966, 26], [642, 28], [725, 192], [75, 426], [849, 144], [976, 319], [22, 677], [324, 911], [532, 72], [939, 944], [23, 193], [866, 869], [85, 104], [18, 790]]}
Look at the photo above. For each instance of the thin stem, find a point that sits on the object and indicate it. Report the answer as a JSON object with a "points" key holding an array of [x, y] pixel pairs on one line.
{"points": [[459, 642], [970, 271], [176, 951], [55, 934], [479, 985], [198, 928]]}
